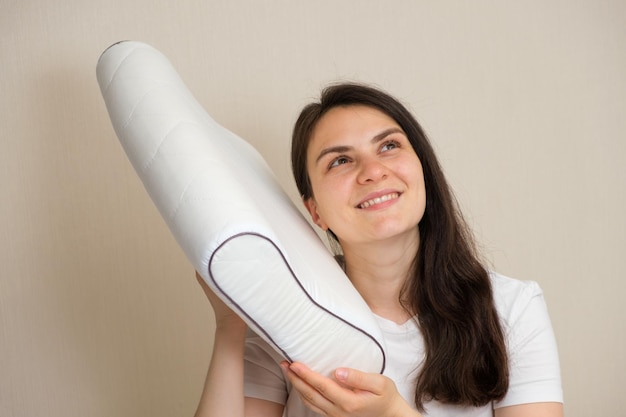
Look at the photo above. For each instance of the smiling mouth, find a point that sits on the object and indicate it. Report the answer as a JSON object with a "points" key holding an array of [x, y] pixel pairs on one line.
{"points": [[378, 200]]}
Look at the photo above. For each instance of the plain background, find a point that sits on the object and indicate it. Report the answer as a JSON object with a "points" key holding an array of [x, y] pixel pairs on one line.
{"points": [[525, 101]]}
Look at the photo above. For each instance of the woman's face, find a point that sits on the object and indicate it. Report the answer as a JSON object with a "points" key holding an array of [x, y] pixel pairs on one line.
{"points": [[366, 178]]}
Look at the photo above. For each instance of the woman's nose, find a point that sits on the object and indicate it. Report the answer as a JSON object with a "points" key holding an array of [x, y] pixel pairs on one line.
{"points": [[371, 170]]}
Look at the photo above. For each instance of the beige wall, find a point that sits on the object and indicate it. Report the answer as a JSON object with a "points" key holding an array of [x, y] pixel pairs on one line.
{"points": [[525, 101]]}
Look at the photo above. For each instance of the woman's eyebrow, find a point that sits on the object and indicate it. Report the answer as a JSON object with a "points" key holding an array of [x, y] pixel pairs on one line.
{"points": [[332, 149], [342, 148], [382, 135]]}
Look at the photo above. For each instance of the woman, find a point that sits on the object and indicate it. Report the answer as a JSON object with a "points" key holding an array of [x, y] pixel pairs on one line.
{"points": [[460, 341]]}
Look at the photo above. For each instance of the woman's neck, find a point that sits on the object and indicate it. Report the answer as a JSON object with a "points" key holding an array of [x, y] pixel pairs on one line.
{"points": [[379, 270]]}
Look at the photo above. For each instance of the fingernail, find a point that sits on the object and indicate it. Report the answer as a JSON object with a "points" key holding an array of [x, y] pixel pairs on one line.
{"points": [[293, 367], [341, 374]]}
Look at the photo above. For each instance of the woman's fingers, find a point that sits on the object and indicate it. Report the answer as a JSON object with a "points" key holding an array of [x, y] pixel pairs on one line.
{"points": [[329, 396], [358, 380], [311, 386]]}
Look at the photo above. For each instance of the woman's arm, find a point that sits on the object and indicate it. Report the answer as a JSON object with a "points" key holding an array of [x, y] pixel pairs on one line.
{"points": [[535, 410], [223, 393]]}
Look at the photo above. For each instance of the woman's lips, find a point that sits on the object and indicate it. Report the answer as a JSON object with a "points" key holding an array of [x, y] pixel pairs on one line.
{"points": [[378, 200]]}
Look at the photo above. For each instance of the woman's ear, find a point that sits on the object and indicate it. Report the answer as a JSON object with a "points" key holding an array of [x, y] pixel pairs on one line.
{"points": [[311, 207]]}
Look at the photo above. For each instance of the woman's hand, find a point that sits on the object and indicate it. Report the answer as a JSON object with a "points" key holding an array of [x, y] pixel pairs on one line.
{"points": [[224, 316], [351, 393]]}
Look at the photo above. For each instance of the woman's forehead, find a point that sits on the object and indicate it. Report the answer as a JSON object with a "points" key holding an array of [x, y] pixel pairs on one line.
{"points": [[348, 123]]}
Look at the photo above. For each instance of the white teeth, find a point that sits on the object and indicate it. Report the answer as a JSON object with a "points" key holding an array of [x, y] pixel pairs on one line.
{"points": [[378, 200]]}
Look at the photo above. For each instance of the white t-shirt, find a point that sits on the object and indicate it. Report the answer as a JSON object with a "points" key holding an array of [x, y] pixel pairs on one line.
{"points": [[533, 357]]}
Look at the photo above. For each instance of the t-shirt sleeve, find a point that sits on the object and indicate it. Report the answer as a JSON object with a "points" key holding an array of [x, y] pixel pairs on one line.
{"points": [[533, 356], [263, 377]]}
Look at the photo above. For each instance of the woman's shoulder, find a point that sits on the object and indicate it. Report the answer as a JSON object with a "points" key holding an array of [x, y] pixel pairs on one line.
{"points": [[507, 286], [533, 354], [514, 297]]}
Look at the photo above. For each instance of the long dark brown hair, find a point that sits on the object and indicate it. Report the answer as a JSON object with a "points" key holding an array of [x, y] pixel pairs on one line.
{"points": [[450, 290]]}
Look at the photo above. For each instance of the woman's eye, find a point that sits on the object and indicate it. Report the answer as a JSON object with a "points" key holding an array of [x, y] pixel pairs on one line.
{"points": [[338, 161], [387, 146]]}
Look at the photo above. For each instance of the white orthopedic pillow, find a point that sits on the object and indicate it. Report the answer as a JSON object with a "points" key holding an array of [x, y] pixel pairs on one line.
{"points": [[233, 221]]}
